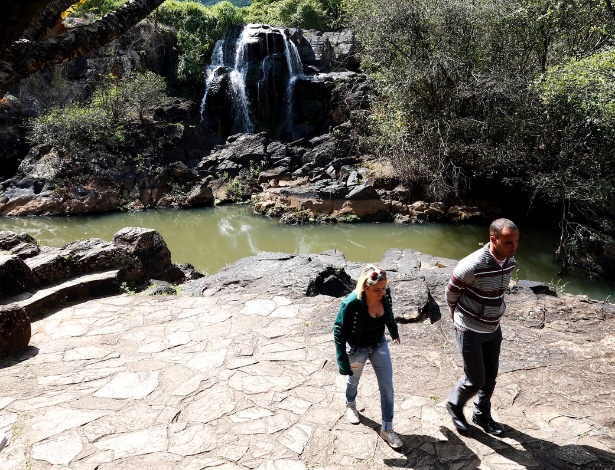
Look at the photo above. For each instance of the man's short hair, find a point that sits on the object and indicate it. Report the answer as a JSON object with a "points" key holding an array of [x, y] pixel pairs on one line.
{"points": [[499, 225]]}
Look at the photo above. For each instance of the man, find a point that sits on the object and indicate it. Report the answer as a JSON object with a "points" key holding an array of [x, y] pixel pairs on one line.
{"points": [[475, 296]]}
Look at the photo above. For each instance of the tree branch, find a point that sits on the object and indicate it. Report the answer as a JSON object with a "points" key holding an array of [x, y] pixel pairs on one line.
{"points": [[46, 19], [25, 58]]}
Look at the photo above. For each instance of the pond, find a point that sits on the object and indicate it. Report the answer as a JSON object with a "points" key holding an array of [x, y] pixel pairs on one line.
{"points": [[212, 237]]}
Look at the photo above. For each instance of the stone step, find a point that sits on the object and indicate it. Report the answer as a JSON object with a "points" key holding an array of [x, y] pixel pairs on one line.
{"points": [[38, 303]]}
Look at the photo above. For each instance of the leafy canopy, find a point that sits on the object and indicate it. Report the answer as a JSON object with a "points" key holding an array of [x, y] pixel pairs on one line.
{"points": [[515, 93]]}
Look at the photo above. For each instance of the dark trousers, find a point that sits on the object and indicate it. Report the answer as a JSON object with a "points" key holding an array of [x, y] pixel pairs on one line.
{"points": [[481, 359]]}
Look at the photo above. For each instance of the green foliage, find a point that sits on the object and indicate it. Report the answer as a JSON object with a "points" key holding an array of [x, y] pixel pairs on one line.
{"points": [[576, 164], [559, 286], [582, 89], [99, 8], [237, 3], [307, 14], [74, 126], [236, 188], [99, 123], [198, 28], [508, 92], [142, 92]]}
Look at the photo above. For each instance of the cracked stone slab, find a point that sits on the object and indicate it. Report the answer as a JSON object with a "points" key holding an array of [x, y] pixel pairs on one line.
{"points": [[58, 451], [135, 443], [130, 385]]}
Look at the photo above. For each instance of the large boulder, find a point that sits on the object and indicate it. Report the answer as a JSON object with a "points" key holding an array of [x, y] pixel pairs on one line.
{"points": [[15, 329], [149, 247], [328, 50], [281, 274], [16, 276], [83, 257], [51, 265], [95, 255], [20, 244]]}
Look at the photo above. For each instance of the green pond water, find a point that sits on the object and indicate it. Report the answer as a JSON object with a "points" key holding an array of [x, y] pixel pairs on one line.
{"points": [[210, 238]]}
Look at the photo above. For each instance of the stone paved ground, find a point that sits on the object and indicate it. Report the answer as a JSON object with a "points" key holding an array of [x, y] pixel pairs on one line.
{"points": [[178, 382]]}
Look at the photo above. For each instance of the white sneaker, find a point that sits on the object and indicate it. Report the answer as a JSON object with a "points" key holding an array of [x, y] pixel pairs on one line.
{"points": [[391, 438], [352, 415]]}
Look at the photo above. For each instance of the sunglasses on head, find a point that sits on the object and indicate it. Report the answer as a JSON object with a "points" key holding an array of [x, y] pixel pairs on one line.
{"points": [[378, 273]]}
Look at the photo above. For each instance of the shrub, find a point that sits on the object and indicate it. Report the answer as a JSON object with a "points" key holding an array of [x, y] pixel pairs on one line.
{"points": [[460, 99], [142, 92], [99, 122], [307, 14], [574, 166], [99, 8]]}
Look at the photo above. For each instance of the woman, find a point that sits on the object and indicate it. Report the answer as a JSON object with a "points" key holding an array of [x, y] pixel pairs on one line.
{"points": [[359, 336]]}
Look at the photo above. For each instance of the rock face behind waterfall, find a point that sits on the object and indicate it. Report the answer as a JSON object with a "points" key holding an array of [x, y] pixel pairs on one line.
{"points": [[273, 79]]}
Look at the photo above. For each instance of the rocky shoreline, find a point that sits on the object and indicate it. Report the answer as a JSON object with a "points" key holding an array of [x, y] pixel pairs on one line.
{"points": [[175, 160]]}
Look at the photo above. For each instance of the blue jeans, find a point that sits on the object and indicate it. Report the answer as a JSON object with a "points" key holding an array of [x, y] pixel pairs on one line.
{"points": [[380, 359], [481, 360]]}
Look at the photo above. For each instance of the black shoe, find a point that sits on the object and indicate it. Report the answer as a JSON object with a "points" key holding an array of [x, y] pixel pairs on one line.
{"points": [[488, 425], [459, 420]]}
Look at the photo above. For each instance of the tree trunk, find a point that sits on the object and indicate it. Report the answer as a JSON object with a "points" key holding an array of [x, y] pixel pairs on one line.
{"points": [[26, 57]]}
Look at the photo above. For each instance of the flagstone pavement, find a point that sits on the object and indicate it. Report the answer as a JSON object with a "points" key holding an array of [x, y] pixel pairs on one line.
{"points": [[242, 382]]}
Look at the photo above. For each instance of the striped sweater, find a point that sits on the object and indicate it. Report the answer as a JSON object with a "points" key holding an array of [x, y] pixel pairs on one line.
{"points": [[476, 291]]}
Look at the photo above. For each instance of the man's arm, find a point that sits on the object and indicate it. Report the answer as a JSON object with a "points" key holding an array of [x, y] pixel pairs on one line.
{"points": [[460, 279]]}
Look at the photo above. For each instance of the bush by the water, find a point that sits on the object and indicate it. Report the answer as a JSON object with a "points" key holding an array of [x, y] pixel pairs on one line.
{"points": [[102, 120], [517, 95]]}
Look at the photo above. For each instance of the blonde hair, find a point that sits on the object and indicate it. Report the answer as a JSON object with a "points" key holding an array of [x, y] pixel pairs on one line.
{"points": [[367, 278]]}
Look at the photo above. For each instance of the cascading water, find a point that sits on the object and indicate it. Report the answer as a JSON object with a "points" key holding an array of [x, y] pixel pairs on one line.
{"points": [[295, 69], [217, 61], [238, 82], [257, 76]]}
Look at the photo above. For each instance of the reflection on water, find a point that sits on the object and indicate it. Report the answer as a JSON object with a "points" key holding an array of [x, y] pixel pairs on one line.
{"points": [[210, 238]]}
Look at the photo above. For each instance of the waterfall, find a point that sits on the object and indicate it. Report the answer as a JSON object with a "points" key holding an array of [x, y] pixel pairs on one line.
{"points": [[217, 61], [272, 47], [238, 82], [295, 71]]}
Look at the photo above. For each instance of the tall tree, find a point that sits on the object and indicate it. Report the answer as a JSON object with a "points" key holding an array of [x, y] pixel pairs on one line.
{"points": [[32, 37]]}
